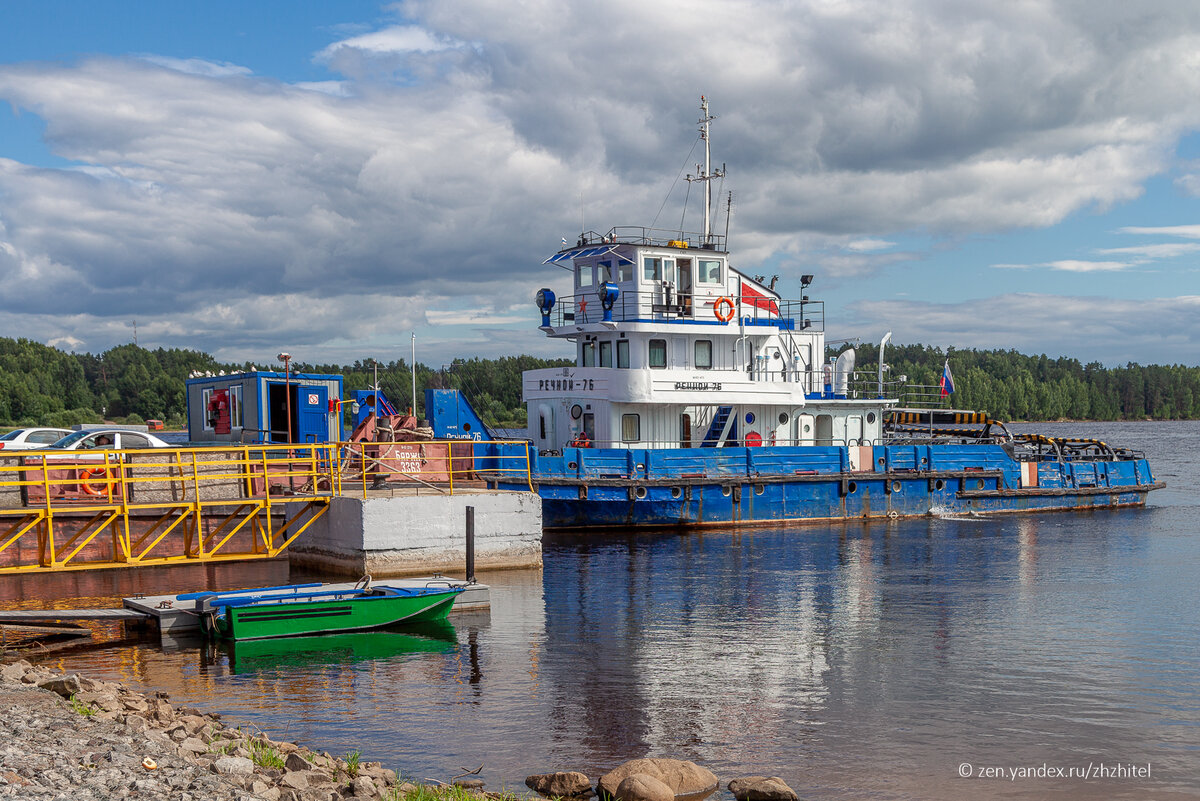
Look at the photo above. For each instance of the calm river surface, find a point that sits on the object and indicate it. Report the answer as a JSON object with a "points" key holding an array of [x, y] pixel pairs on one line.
{"points": [[854, 661]]}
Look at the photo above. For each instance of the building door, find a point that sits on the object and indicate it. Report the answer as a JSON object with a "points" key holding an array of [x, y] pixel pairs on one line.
{"points": [[313, 416]]}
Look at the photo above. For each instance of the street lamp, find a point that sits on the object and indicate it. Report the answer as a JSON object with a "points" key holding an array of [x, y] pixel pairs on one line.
{"points": [[286, 358]]}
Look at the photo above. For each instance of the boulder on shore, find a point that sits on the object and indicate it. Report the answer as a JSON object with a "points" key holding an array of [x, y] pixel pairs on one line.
{"points": [[687, 780], [561, 784], [642, 787], [761, 788]]}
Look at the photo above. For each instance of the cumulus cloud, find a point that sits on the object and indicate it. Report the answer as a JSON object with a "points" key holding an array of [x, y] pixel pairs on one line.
{"points": [[1107, 330], [451, 149]]}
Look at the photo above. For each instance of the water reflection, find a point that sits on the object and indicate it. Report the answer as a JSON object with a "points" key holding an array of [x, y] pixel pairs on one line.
{"points": [[854, 660]]}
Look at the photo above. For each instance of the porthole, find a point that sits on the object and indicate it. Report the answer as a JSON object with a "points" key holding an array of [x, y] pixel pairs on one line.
{"points": [[676, 493], [870, 417], [576, 411], [807, 428], [852, 488], [640, 466], [572, 465], [726, 491], [749, 417], [466, 426], [979, 483], [641, 492], [759, 489], [895, 486], [882, 462], [939, 484], [783, 418]]}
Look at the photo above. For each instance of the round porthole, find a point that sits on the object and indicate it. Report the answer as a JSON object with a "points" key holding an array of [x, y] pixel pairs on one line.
{"points": [[939, 484], [895, 486], [576, 412], [726, 491], [783, 417], [640, 466], [807, 428], [852, 488], [759, 489], [979, 483], [676, 493], [749, 417], [641, 492], [466, 426], [870, 417], [572, 465]]}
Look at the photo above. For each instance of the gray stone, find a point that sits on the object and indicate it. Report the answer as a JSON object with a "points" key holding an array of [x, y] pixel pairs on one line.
{"points": [[136, 722], [15, 672], [643, 787], [66, 686], [232, 765], [296, 762], [563, 783], [194, 745], [297, 780], [687, 780], [761, 788], [363, 787]]}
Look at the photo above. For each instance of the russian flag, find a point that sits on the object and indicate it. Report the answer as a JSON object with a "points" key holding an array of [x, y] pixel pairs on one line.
{"points": [[947, 384]]}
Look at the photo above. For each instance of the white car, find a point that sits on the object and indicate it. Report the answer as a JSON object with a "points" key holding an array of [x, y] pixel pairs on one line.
{"points": [[108, 439], [27, 439]]}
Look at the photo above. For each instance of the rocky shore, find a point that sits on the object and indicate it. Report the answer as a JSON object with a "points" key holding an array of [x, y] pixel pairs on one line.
{"points": [[71, 737]]}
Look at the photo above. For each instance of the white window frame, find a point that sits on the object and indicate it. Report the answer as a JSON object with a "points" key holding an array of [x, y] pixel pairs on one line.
{"points": [[636, 420], [205, 397]]}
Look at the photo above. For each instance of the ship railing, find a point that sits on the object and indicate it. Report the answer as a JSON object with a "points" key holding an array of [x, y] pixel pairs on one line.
{"points": [[584, 308], [651, 237], [610, 445]]}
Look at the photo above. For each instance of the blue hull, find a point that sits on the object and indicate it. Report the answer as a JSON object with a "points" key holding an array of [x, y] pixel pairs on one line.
{"points": [[587, 488]]}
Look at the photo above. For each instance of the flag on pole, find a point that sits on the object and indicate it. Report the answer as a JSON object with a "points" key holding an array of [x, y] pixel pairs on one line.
{"points": [[564, 239], [947, 384]]}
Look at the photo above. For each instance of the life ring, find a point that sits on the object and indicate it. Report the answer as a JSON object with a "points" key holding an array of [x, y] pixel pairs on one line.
{"points": [[726, 317], [94, 481], [582, 440]]}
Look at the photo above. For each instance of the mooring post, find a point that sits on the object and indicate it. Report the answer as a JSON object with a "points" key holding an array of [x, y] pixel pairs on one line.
{"points": [[470, 544]]}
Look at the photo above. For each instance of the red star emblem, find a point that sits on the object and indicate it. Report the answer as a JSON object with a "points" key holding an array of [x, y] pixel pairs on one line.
{"points": [[582, 306]]}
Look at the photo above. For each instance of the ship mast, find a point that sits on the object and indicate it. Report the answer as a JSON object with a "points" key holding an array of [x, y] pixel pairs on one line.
{"points": [[706, 174]]}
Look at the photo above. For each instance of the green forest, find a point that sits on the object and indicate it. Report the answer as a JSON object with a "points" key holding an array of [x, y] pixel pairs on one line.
{"points": [[41, 385]]}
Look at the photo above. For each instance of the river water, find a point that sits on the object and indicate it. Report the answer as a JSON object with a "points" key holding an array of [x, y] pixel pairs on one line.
{"points": [[898, 660]]}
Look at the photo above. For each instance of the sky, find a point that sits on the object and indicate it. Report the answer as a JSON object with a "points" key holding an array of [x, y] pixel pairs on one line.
{"points": [[329, 178]]}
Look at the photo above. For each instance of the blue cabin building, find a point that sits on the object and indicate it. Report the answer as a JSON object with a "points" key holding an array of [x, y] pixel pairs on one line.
{"points": [[254, 407]]}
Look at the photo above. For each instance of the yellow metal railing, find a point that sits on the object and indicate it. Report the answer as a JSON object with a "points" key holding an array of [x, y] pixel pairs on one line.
{"points": [[73, 510]]}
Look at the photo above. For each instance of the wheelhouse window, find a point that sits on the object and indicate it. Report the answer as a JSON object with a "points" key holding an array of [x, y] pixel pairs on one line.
{"points": [[584, 275], [656, 269], [658, 353], [589, 354], [606, 353], [703, 354], [623, 353], [708, 271], [631, 428], [604, 272], [625, 270]]}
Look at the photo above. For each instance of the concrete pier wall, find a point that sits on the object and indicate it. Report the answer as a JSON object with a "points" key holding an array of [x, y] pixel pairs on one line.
{"points": [[419, 534]]}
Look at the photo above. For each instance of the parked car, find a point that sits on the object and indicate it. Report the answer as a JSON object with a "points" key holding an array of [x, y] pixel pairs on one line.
{"points": [[27, 439], [108, 438]]}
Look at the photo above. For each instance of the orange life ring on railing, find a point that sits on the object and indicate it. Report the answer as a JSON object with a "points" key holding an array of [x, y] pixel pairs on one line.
{"points": [[717, 309], [88, 481]]}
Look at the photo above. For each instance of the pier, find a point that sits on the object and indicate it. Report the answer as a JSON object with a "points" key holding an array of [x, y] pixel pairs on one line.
{"points": [[103, 509]]}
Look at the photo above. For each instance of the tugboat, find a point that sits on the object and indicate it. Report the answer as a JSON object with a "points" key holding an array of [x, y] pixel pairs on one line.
{"points": [[702, 396]]}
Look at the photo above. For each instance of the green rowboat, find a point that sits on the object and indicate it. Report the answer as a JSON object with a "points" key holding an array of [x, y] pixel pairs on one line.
{"points": [[303, 609]]}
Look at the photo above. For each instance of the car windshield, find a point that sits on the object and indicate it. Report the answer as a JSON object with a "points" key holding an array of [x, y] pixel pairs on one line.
{"points": [[71, 439], [11, 435]]}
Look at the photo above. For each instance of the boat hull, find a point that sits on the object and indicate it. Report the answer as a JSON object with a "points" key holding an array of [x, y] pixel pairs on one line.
{"points": [[297, 618], [766, 486]]}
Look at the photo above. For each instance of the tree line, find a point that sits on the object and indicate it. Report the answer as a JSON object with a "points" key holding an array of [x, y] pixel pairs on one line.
{"points": [[41, 385]]}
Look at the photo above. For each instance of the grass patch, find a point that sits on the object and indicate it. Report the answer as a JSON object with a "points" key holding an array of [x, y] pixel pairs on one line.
{"points": [[265, 755], [82, 707], [352, 759]]}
